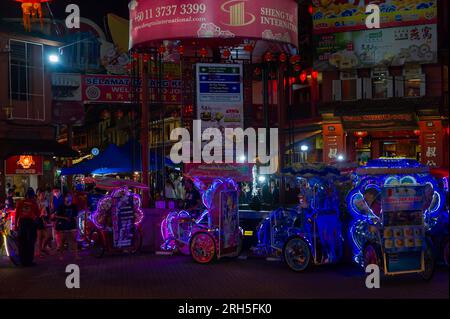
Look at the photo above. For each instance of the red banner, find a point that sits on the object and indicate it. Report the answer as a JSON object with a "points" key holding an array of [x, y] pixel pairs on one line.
{"points": [[152, 20], [431, 143], [24, 165], [117, 89]]}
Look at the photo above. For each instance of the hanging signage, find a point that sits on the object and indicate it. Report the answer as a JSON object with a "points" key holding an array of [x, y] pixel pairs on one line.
{"points": [[220, 96], [24, 165], [431, 141], [345, 15], [152, 20], [333, 142], [368, 48], [372, 121], [117, 89]]}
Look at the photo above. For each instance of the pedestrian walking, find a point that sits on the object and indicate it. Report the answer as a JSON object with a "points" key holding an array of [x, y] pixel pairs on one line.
{"points": [[27, 212], [65, 226]]}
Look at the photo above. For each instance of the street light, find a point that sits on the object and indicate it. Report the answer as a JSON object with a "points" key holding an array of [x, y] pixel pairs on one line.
{"points": [[340, 157], [304, 148], [53, 58], [242, 159]]}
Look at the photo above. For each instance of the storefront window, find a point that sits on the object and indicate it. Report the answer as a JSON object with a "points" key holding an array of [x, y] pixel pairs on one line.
{"points": [[379, 85], [349, 86], [412, 87]]}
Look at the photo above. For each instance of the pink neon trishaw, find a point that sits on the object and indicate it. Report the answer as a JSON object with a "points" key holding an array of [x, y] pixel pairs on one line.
{"points": [[215, 233], [115, 225]]}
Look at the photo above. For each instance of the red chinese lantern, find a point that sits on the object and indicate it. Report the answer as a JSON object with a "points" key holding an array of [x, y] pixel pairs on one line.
{"points": [[257, 71], [417, 132], [297, 67], [203, 52], [226, 53], [248, 48], [283, 57], [180, 50], [268, 56], [310, 9], [146, 58], [315, 75], [303, 76], [32, 9], [135, 56], [162, 49]]}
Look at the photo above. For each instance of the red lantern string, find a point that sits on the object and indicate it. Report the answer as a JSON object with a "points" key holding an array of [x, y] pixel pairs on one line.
{"points": [[181, 50], [283, 57], [303, 76], [268, 57], [203, 52]]}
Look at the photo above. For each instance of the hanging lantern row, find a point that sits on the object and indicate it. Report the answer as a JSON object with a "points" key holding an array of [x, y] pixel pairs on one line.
{"points": [[282, 57], [304, 75]]}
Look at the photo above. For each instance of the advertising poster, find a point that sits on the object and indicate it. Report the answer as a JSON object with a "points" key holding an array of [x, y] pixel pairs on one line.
{"points": [[229, 223], [123, 221], [167, 19], [331, 16], [220, 97], [377, 47], [404, 233]]}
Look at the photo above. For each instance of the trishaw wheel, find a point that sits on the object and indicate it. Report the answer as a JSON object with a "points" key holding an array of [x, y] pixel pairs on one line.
{"points": [[428, 273], [445, 251], [203, 248], [371, 255], [13, 250], [137, 241], [297, 254]]}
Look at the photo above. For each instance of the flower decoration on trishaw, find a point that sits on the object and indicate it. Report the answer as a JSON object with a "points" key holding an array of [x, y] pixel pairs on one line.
{"points": [[412, 222], [311, 232]]}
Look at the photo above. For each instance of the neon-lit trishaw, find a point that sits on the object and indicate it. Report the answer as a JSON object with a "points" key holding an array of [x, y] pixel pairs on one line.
{"points": [[115, 226], [309, 234], [215, 233], [394, 205]]}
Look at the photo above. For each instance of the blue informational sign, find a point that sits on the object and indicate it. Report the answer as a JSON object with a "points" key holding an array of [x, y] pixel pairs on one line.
{"points": [[220, 98]]}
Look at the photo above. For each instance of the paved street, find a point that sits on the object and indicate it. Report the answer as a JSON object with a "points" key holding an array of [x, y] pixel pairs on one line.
{"points": [[153, 276]]}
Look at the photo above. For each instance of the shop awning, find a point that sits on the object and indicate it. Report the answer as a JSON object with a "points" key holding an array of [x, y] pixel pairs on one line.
{"points": [[11, 147], [114, 159]]}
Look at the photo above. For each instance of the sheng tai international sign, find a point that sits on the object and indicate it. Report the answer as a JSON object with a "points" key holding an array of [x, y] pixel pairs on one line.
{"points": [[152, 20]]}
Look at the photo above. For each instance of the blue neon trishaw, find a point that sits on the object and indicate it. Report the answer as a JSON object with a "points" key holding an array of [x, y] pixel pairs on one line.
{"points": [[395, 237], [310, 233]]}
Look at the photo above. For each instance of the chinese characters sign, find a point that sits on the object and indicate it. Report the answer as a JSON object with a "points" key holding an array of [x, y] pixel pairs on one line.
{"points": [[152, 20], [331, 16], [333, 142], [117, 88], [431, 143], [360, 49]]}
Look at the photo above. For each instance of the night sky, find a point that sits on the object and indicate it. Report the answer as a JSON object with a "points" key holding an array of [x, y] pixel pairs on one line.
{"points": [[91, 9]]}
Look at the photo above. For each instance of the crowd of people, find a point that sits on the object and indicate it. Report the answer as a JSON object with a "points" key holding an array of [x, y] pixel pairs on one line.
{"points": [[42, 219]]}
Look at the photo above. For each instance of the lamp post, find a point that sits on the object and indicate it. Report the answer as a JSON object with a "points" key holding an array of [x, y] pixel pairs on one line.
{"points": [[304, 153]]}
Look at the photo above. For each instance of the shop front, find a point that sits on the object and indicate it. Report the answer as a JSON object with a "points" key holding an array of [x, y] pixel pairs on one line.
{"points": [[375, 129]]}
